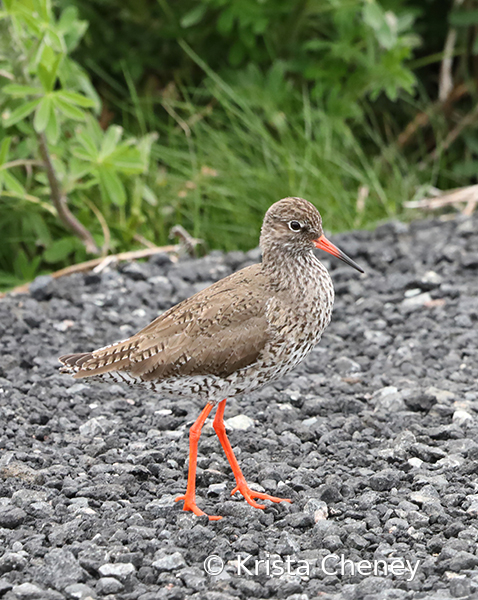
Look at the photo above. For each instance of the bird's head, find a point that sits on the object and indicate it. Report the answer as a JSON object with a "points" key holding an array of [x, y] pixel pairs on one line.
{"points": [[295, 225]]}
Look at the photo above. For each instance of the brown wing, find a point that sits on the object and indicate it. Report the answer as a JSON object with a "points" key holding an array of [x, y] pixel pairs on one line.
{"points": [[215, 332]]}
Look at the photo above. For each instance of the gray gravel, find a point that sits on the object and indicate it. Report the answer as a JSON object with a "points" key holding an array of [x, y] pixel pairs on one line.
{"points": [[374, 437]]}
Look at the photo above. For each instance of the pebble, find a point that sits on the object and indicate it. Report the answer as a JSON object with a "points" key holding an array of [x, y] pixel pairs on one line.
{"points": [[118, 570], [28, 591], [12, 561], [11, 517], [172, 562], [239, 422], [462, 417], [108, 585], [78, 591]]}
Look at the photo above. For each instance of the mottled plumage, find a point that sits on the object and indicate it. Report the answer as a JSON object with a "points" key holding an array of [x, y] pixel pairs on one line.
{"points": [[241, 332]]}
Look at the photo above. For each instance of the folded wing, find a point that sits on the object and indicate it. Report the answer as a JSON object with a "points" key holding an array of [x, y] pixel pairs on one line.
{"points": [[215, 332]]}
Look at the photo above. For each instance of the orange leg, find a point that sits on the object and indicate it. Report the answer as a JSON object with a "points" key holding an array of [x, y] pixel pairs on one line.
{"points": [[190, 495], [241, 486]]}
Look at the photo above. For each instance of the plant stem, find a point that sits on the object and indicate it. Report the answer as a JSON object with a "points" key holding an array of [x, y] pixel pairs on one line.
{"points": [[60, 201]]}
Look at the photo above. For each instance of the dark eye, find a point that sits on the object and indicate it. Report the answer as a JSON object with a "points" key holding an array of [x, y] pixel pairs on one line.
{"points": [[295, 226]]}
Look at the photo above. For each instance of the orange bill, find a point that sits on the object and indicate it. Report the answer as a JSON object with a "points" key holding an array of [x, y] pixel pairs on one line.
{"points": [[323, 243]]}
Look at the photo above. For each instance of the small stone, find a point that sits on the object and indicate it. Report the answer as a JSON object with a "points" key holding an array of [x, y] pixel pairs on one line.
{"points": [[460, 587], [20, 470], [345, 366], [332, 542], [388, 399], [317, 508], [96, 426], [5, 586], [441, 396], [385, 480], [12, 561], [215, 489], [329, 493], [108, 585], [429, 454], [430, 280], [61, 568], [28, 591], [415, 462], [134, 270], [172, 562], [240, 422], [420, 402], [473, 508], [160, 259], [118, 570], [415, 302], [78, 591], [462, 417], [41, 288], [11, 517], [25, 497], [462, 560]]}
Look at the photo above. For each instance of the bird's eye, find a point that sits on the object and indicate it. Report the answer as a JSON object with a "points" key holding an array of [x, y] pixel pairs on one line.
{"points": [[295, 226]]}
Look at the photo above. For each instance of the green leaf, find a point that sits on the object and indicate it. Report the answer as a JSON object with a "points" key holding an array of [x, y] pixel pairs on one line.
{"points": [[78, 169], [111, 186], [74, 98], [60, 249], [110, 141], [225, 22], [21, 112], [20, 91], [89, 146], [69, 110], [83, 154], [149, 195], [4, 148], [373, 15], [13, 184], [48, 74], [68, 18], [46, 9], [128, 160], [193, 16], [52, 130], [42, 114]]}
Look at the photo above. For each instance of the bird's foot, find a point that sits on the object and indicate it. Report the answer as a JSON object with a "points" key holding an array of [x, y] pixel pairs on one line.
{"points": [[249, 496], [190, 505]]}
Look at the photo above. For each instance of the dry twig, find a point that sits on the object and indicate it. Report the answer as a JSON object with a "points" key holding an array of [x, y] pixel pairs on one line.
{"points": [[60, 202], [445, 85], [189, 242], [467, 195]]}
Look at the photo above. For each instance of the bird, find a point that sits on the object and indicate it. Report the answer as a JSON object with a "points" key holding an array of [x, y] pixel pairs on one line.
{"points": [[233, 337]]}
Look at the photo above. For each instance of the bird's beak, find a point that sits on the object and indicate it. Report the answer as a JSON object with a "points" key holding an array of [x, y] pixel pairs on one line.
{"points": [[323, 243]]}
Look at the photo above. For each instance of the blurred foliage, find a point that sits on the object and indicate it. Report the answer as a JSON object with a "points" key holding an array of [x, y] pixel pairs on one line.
{"points": [[47, 98], [333, 100]]}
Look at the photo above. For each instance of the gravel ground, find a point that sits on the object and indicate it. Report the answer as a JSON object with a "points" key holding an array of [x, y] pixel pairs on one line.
{"points": [[374, 437]]}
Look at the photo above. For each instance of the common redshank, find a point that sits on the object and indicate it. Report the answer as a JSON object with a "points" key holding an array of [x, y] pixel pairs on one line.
{"points": [[233, 337]]}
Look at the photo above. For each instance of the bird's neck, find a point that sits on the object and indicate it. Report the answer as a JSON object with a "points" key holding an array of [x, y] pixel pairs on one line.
{"points": [[296, 272]]}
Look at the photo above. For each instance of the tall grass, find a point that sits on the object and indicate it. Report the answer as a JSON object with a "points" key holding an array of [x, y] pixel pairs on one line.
{"points": [[226, 153]]}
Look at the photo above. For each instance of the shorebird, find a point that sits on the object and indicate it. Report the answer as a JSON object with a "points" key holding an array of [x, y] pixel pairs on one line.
{"points": [[233, 337]]}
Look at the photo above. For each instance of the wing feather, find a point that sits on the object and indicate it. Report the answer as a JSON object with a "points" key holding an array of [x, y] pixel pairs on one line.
{"points": [[216, 332]]}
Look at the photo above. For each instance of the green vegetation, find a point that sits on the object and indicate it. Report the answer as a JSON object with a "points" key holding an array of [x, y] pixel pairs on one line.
{"points": [[122, 119]]}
